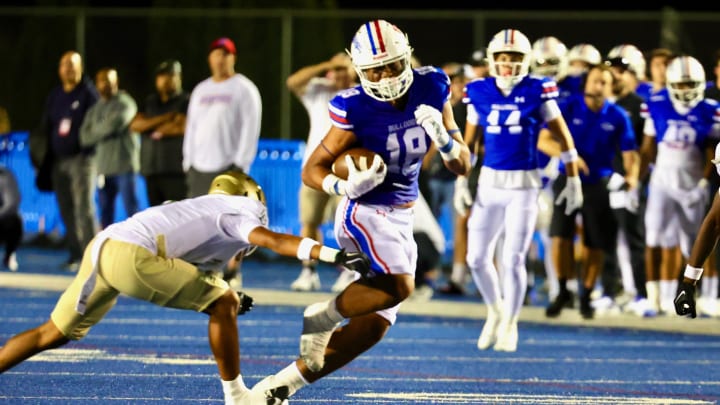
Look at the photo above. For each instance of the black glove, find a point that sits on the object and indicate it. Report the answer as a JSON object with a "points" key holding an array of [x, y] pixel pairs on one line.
{"points": [[685, 300], [246, 302], [355, 261]]}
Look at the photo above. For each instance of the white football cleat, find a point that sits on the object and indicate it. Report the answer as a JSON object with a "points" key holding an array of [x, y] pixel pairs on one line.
{"points": [[507, 337], [12, 262], [488, 336], [308, 280], [667, 307], [274, 396], [345, 278], [707, 307]]}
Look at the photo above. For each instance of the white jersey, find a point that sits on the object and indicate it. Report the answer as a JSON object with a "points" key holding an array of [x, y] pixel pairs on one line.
{"points": [[317, 96], [206, 231], [223, 125]]}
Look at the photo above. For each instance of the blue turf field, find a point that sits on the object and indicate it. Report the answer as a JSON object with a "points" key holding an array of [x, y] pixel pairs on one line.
{"points": [[142, 354]]}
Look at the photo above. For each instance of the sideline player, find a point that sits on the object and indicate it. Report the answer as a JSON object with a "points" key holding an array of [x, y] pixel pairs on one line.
{"points": [[511, 107]]}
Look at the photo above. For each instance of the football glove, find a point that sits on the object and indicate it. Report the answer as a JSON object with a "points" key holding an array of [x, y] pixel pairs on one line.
{"points": [[699, 194], [246, 302], [431, 120], [462, 199], [571, 194], [685, 300], [633, 200], [360, 182], [355, 261]]}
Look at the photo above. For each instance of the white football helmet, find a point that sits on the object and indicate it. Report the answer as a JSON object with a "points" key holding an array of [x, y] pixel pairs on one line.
{"points": [[585, 53], [549, 58], [514, 41], [630, 57], [685, 81], [378, 43]]}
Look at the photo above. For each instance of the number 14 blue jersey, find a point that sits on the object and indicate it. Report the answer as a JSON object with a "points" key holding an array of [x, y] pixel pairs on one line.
{"points": [[511, 123]]}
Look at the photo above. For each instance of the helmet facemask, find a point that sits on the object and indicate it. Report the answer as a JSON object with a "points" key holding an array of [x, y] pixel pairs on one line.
{"points": [[388, 88], [379, 47], [507, 74]]}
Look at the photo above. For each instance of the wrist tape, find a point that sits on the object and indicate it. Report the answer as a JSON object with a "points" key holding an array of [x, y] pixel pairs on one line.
{"points": [[568, 156], [305, 248], [693, 272]]}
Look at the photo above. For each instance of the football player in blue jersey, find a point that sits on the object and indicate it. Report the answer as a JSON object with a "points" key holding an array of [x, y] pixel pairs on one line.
{"points": [[511, 107], [599, 128], [399, 113], [681, 129]]}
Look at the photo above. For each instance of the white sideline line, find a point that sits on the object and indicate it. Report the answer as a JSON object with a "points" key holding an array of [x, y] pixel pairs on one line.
{"points": [[71, 355], [434, 307]]}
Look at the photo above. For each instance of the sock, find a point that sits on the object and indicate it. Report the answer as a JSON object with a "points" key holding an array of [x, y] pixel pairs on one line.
{"points": [[713, 283], [573, 286], [653, 294], [708, 287], [458, 274], [234, 389], [290, 376], [666, 290], [321, 316], [332, 311]]}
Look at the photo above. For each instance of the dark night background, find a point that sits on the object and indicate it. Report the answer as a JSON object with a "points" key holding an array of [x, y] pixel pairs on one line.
{"points": [[134, 36]]}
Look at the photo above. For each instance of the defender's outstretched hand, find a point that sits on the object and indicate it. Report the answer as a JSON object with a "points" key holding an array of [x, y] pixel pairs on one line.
{"points": [[685, 300], [355, 261], [246, 302]]}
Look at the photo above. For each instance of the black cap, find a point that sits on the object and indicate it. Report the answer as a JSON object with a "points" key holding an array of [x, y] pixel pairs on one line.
{"points": [[169, 67]]}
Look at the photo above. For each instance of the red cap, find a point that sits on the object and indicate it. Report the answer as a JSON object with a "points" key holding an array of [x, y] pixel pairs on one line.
{"points": [[225, 43]]}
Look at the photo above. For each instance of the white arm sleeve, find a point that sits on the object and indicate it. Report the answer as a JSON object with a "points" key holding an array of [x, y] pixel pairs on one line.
{"points": [[649, 127], [472, 115], [549, 110]]}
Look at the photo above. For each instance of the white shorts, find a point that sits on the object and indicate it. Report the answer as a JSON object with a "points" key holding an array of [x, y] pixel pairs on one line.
{"points": [[384, 233], [670, 221]]}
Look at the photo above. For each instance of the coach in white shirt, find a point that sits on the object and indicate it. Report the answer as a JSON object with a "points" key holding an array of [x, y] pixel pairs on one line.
{"points": [[223, 121]]}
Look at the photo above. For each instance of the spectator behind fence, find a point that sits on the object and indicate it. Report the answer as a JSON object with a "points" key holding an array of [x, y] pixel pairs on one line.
{"points": [[161, 121], [11, 229], [317, 206], [64, 166], [223, 121], [117, 148]]}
